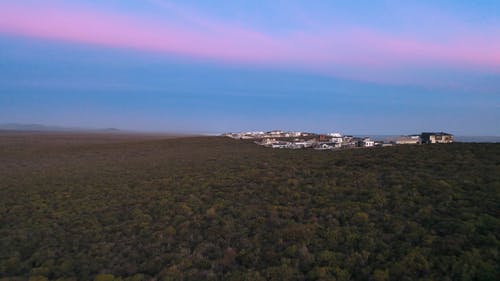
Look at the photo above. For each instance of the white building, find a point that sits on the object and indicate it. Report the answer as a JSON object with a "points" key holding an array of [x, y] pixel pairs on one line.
{"points": [[302, 144], [336, 139], [267, 141], [367, 142], [324, 146], [414, 139], [280, 145]]}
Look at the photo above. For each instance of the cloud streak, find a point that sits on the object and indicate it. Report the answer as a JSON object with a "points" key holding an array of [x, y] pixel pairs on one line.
{"points": [[326, 49]]}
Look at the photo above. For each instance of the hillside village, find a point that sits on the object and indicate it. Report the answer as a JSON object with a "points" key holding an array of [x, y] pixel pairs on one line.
{"points": [[301, 140]]}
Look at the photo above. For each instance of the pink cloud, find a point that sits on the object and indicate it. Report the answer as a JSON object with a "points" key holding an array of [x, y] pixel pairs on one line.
{"points": [[354, 47], [88, 26]]}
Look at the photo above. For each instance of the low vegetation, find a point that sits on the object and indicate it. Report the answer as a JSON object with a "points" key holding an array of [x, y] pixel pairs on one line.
{"points": [[212, 208]]}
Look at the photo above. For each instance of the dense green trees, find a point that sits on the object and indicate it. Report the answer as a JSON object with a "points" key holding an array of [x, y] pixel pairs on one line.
{"points": [[221, 209]]}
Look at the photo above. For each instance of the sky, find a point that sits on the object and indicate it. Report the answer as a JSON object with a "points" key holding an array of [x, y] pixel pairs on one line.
{"points": [[357, 67]]}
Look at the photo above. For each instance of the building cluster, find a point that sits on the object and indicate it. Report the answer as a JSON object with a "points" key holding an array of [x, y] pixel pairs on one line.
{"points": [[425, 138], [318, 142], [263, 135], [299, 140]]}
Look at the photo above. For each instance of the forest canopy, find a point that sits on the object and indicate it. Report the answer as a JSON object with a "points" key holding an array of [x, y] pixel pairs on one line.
{"points": [[212, 208]]}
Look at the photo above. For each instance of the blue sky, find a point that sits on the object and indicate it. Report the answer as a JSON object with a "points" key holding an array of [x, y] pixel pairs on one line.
{"points": [[382, 67]]}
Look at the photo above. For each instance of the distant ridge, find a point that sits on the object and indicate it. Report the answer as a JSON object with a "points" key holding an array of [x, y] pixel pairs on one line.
{"points": [[45, 128]]}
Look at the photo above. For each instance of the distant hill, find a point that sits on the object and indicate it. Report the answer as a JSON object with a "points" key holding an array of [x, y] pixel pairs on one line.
{"points": [[46, 128]]}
